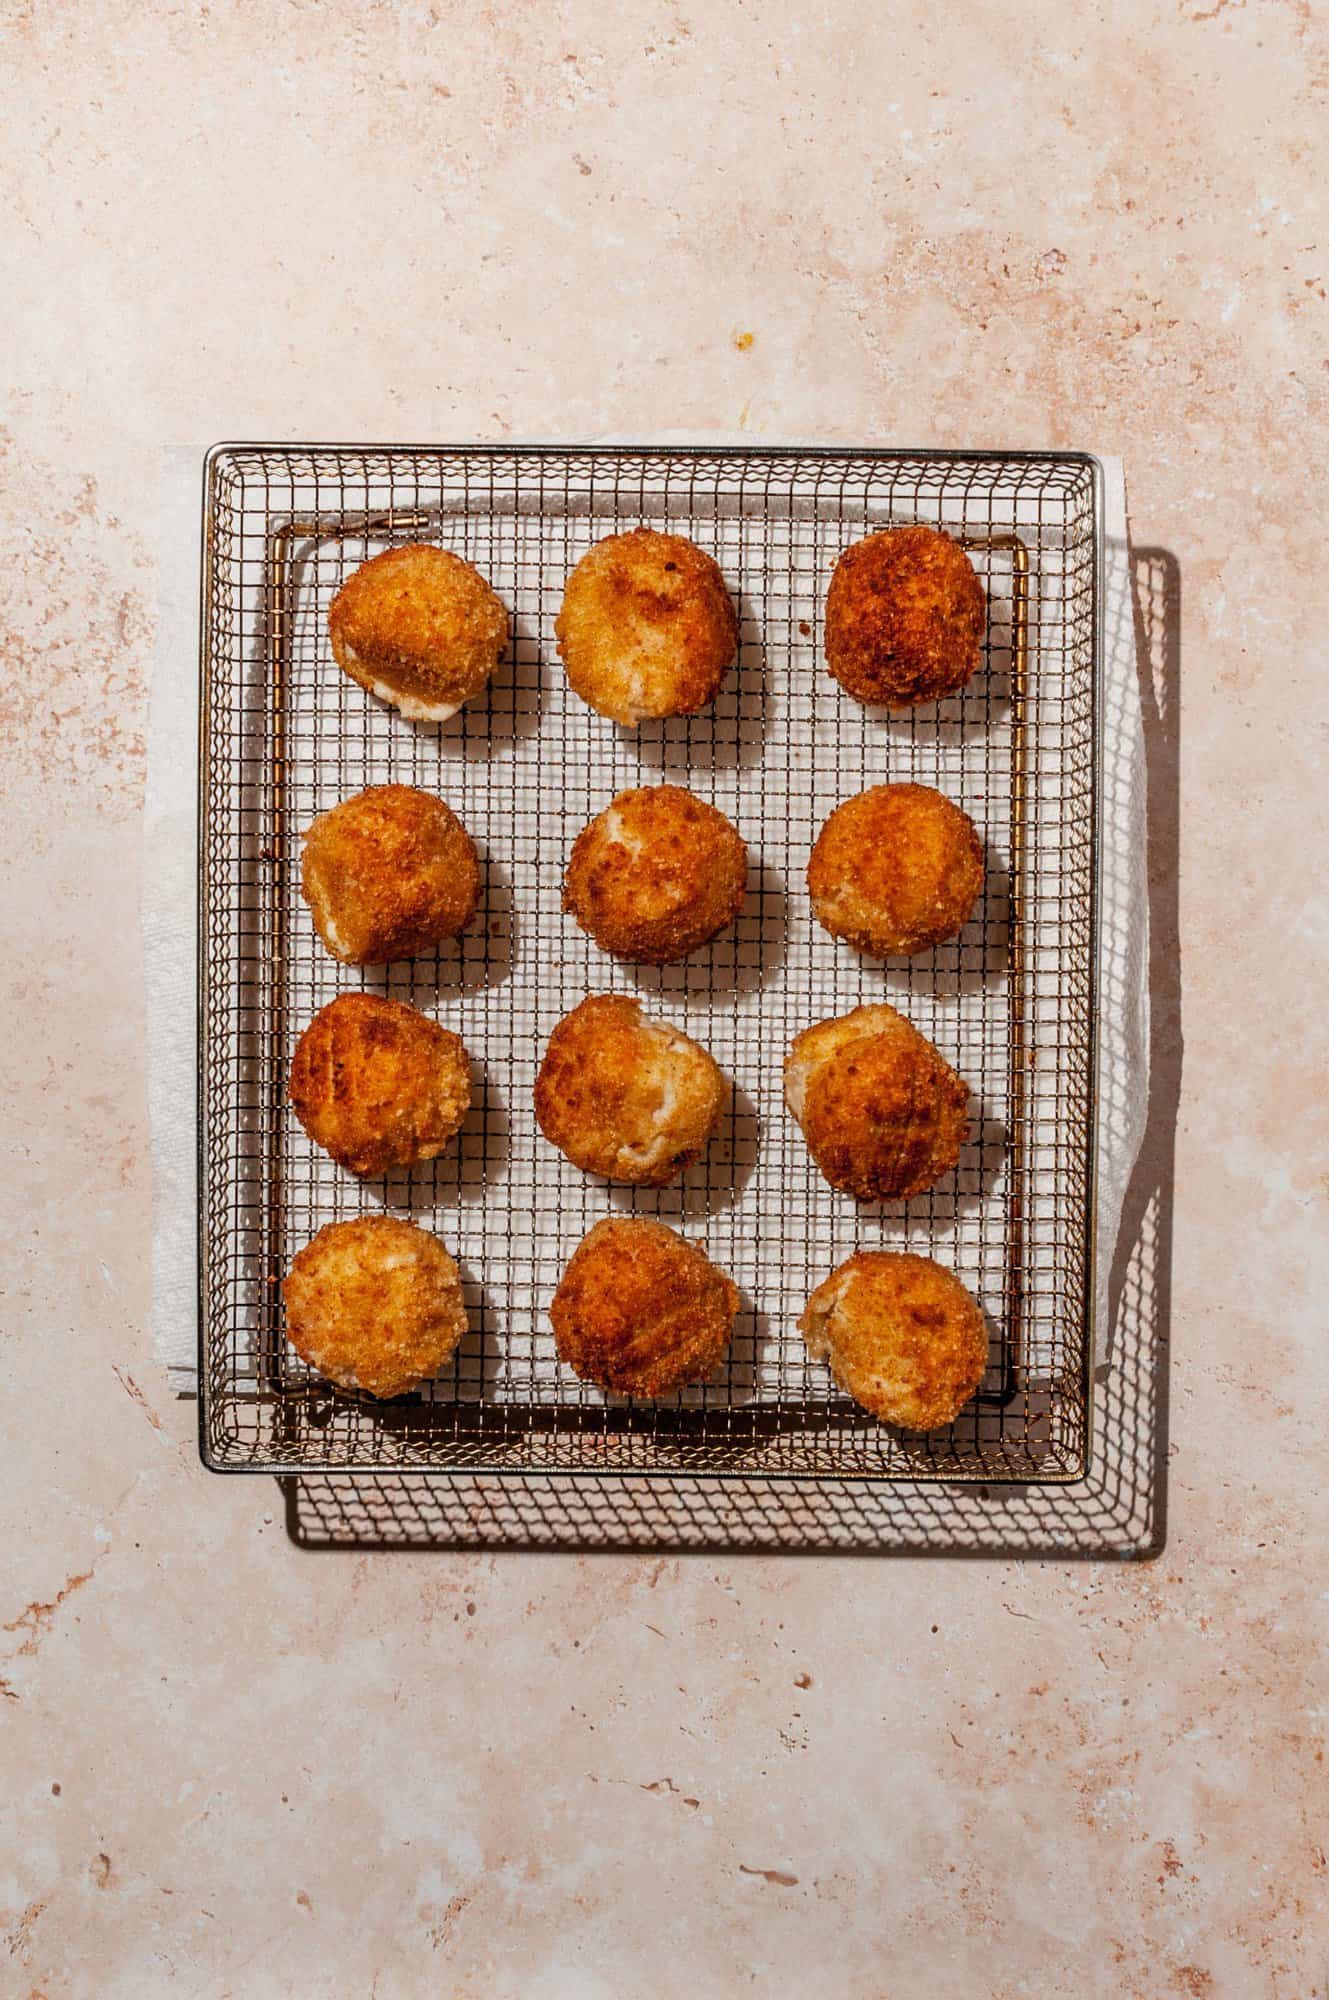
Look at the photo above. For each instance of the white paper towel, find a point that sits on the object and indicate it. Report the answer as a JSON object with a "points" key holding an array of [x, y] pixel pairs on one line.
{"points": [[170, 942], [169, 908]]}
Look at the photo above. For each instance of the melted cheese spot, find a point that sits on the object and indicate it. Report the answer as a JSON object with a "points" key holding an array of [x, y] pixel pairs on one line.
{"points": [[612, 822], [409, 705]]}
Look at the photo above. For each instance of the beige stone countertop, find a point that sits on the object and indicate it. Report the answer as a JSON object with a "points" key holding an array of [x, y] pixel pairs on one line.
{"points": [[234, 1765]]}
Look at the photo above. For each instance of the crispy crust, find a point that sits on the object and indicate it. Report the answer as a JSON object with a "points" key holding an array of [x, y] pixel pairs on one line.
{"points": [[378, 1085], [388, 874], [419, 627], [901, 1335], [656, 875], [896, 869], [640, 1310], [647, 627], [374, 1304], [625, 1096], [904, 617], [882, 1112]]}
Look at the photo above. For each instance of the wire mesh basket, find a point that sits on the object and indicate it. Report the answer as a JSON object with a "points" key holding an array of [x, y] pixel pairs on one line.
{"points": [[1010, 1002]]}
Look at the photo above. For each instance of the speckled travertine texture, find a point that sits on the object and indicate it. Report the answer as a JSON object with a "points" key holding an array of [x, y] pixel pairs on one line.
{"points": [[234, 1766]]}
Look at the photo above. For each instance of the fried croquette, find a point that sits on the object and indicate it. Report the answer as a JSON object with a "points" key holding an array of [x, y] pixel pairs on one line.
{"points": [[640, 1310], [882, 1112], [647, 627], [625, 1096], [656, 875], [901, 1335], [420, 628], [388, 874], [378, 1085], [904, 617], [896, 869], [374, 1304]]}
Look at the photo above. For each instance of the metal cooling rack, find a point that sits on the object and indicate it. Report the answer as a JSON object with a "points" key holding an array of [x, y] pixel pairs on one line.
{"points": [[284, 735]]}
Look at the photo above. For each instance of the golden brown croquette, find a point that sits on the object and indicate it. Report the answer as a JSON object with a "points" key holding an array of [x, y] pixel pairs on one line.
{"points": [[640, 1310], [378, 1085], [901, 1335], [647, 627], [420, 628], [374, 1304], [896, 869], [625, 1096], [904, 617], [388, 874], [656, 875], [882, 1112]]}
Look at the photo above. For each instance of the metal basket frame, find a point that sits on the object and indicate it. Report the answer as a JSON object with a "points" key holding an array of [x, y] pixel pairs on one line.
{"points": [[281, 525]]}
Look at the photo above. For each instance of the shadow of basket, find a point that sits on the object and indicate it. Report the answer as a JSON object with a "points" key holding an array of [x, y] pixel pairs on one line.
{"points": [[1117, 1511]]}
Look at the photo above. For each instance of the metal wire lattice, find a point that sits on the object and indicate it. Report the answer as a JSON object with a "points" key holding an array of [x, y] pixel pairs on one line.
{"points": [[1010, 1002]]}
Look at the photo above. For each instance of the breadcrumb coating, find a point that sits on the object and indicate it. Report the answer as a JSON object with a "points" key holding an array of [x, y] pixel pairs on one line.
{"points": [[626, 1096], [641, 1311], [883, 1113], [904, 617], [378, 1085], [388, 874], [896, 869], [901, 1335], [647, 627], [420, 628], [656, 875], [374, 1304]]}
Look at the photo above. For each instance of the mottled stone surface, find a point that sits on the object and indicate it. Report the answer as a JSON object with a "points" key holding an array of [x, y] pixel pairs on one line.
{"points": [[232, 1766]]}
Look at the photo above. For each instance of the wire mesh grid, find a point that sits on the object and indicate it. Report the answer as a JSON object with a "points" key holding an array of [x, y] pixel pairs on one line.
{"points": [[1010, 1002]]}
